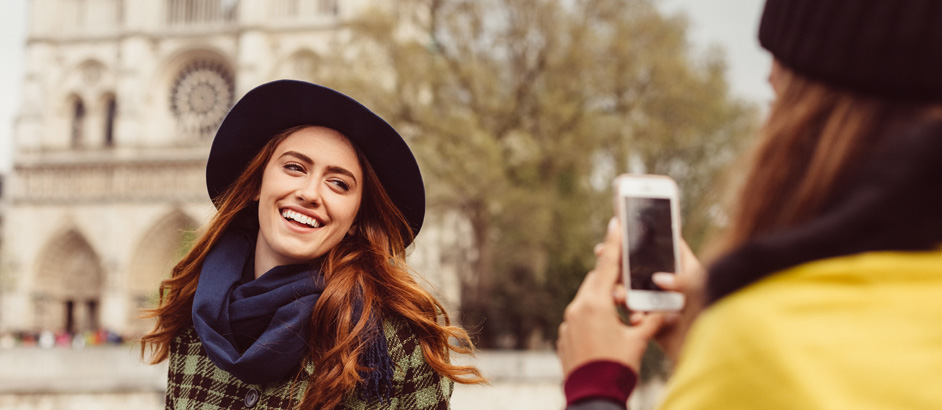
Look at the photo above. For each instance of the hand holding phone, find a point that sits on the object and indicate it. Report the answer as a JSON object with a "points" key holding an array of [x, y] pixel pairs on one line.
{"points": [[649, 212]]}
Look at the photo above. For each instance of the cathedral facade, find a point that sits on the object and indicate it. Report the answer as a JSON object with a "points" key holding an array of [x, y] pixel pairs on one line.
{"points": [[120, 102]]}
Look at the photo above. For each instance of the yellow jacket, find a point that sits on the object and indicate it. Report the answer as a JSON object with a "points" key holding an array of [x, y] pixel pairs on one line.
{"points": [[858, 332]]}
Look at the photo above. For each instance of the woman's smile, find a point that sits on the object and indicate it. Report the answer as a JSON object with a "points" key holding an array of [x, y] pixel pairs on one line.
{"points": [[297, 218]]}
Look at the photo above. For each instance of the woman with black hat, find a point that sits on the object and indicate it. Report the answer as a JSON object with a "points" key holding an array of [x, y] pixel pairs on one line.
{"points": [[297, 294], [826, 291]]}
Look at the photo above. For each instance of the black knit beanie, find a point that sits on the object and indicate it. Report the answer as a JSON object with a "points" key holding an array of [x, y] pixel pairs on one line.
{"points": [[887, 48]]}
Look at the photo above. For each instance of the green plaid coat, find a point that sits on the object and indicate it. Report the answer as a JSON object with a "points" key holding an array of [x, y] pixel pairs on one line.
{"points": [[196, 383]]}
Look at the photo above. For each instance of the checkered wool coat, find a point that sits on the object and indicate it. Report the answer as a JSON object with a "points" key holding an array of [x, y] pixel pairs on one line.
{"points": [[196, 383]]}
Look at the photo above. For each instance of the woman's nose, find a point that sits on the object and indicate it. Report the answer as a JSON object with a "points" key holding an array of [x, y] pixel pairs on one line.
{"points": [[309, 193]]}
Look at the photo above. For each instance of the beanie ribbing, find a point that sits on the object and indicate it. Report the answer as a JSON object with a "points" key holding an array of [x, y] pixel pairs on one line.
{"points": [[888, 48]]}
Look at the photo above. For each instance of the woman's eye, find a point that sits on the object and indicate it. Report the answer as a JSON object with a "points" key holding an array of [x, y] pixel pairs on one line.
{"points": [[294, 167], [341, 184]]}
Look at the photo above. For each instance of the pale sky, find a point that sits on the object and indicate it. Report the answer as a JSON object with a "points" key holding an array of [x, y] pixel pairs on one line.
{"points": [[731, 24]]}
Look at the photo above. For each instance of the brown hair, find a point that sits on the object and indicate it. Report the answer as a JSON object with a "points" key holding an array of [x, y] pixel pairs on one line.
{"points": [[369, 266], [814, 140]]}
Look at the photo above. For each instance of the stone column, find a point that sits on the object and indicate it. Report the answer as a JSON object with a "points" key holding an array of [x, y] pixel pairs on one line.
{"points": [[254, 60], [113, 307]]}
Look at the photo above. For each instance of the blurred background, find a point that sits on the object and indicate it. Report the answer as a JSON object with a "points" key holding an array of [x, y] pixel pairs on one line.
{"points": [[520, 112]]}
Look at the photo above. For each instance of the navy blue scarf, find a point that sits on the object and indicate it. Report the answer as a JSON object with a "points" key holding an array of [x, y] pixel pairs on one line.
{"points": [[258, 330]]}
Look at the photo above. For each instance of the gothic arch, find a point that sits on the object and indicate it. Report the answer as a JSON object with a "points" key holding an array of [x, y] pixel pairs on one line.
{"points": [[68, 284], [90, 83], [159, 249]]}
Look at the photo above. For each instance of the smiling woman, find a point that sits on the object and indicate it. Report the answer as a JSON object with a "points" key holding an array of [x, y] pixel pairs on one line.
{"points": [[309, 199], [297, 295]]}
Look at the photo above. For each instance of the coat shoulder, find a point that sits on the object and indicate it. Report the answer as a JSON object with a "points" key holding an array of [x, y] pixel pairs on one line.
{"points": [[194, 381]]}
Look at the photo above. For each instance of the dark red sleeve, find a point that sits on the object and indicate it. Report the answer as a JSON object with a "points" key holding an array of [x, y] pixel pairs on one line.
{"points": [[601, 379]]}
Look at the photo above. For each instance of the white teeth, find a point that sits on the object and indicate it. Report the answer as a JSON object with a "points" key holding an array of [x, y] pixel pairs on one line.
{"points": [[304, 219]]}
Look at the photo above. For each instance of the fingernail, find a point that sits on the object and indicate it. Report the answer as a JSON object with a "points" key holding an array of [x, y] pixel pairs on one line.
{"points": [[663, 279], [612, 224]]}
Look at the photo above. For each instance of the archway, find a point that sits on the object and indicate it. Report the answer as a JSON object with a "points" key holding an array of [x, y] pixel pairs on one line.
{"points": [[68, 285], [158, 251]]}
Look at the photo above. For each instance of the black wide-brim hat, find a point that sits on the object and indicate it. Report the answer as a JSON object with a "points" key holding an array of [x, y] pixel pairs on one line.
{"points": [[271, 108]]}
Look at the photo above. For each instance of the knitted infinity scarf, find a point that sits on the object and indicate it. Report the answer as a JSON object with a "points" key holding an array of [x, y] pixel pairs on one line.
{"points": [[273, 310]]}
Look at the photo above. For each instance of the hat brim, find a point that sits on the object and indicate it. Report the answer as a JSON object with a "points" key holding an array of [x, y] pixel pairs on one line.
{"points": [[274, 107]]}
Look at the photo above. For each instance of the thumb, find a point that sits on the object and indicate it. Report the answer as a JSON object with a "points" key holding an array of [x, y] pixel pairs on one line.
{"points": [[648, 326]]}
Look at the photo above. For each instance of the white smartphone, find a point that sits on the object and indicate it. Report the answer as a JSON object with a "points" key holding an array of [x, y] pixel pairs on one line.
{"points": [[649, 213]]}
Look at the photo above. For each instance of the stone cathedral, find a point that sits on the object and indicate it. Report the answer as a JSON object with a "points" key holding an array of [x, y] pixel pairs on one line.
{"points": [[120, 101]]}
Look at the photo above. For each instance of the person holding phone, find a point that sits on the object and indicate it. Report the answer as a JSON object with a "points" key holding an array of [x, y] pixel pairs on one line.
{"points": [[297, 294], [825, 291]]}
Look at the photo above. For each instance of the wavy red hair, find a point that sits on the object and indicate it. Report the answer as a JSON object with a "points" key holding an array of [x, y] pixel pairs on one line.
{"points": [[369, 266]]}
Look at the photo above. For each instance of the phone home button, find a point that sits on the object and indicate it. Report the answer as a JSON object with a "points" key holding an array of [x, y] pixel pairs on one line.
{"points": [[656, 299]]}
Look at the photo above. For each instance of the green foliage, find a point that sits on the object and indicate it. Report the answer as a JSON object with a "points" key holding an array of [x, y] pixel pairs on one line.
{"points": [[521, 112], [188, 238]]}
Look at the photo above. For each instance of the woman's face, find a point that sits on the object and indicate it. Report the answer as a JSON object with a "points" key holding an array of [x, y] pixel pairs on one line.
{"points": [[310, 195]]}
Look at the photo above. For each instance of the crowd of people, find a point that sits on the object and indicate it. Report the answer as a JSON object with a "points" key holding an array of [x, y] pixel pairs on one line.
{"points": [[48, 339]]}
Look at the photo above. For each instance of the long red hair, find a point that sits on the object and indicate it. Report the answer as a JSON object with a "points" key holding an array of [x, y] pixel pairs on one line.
{"points": [[368, 266]]}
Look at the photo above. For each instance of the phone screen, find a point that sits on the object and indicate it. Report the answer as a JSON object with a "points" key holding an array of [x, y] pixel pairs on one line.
{"points": [[650, 239]]}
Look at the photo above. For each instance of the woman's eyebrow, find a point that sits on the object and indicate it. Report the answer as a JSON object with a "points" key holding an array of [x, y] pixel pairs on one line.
{"points": [[341, 170], [298, 155]]}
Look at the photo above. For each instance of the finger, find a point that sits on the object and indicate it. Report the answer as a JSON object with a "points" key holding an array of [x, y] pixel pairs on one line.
{"points": [[597, 250], [666, 281], [620, 294], [635, 318], [611, 246], [605, 274]]}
